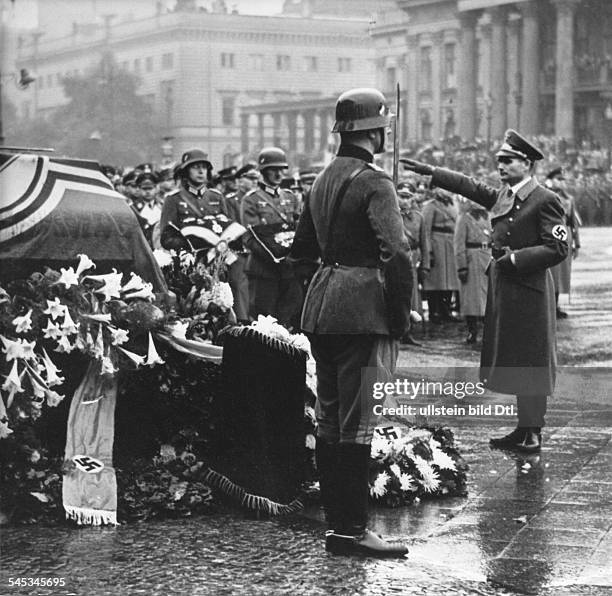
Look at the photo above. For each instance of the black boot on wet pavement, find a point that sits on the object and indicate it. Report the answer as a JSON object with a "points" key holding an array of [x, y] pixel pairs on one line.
{"points": [[367, 543], [509, 441], [532, 441]]}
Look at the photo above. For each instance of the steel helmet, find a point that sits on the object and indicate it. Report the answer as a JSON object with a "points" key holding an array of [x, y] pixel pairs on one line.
{"points": [[193, 156], [361, 109], [272, 157]]}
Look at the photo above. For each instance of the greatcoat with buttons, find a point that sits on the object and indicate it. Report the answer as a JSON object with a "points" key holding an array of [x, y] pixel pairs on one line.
{"points": [[519, 340]]}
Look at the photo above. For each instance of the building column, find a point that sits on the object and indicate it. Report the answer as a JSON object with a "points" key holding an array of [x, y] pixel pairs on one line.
{"points": [[292, 125], [411, 85], [244, 132], [261, 130], [276, 129], [513, 82], [436, 86], [324, 129], [564, 78], [529, 91], [308, 117], [467, 82], [498, 72]]}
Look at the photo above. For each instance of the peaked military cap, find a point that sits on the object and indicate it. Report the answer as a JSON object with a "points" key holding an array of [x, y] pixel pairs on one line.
{"points": [[144, 167], [248, 170], [129, 177], [308, 176], [146, 177], [515, 145], [228, 173]]}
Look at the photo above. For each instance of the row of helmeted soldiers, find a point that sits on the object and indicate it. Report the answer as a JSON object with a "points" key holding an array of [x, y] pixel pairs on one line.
{"points": [[259, 196]]}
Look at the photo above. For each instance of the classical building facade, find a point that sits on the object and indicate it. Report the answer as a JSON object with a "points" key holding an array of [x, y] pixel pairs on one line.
{"points": [[475, 67], [215, 79]]}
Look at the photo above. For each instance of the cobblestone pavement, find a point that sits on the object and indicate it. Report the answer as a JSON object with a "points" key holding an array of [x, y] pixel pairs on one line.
{"points": [[529, 525]]}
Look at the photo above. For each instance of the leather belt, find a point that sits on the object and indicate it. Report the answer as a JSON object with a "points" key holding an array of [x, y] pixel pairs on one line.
{"points": [[443, 229], [483, 245]]}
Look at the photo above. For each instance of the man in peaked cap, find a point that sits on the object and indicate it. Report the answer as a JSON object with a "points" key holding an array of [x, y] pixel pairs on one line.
{"points": [[529, 237], [562, 273], [147, 210]]}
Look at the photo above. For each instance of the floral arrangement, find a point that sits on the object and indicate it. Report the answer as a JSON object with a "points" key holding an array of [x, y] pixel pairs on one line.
{"points": [[106, 317], [423, 463]]}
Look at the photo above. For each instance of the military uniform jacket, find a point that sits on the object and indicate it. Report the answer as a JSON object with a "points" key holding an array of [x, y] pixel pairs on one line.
{"points": [[438, 256], [264, 205], [562, 273], [365, 271], [469, 233], [186, 206], [520, 325]]}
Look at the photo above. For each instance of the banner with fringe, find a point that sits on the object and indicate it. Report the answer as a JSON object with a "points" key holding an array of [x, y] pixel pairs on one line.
{"points": [[89, 489]]}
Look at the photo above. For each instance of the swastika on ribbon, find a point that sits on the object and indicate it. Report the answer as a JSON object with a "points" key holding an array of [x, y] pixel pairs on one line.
{"points": [[87, 464], [560, 233], [388, 432]]}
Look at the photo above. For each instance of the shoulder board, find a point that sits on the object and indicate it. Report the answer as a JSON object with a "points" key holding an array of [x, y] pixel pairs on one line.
{"points": [[171, 193], [215, 190], [231, 195], [251, 192]]}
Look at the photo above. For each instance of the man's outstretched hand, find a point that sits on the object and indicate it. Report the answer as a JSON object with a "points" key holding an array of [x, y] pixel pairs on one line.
{"points": [[418, 167]]}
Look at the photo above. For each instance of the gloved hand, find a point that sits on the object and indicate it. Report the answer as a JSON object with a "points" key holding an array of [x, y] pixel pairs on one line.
{"points": [[422, 275], [418, 167], [462, 274], [505, 264]]}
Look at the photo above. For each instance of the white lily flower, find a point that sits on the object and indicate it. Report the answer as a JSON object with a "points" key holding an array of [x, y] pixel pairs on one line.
{"points": [[118, 336], [69, 327], [19, 348], [52, 331], [53, 398], [13, 380], [38, 388], [68, 277], [153, 357], [99, 318], [23, 323], [112, 284], [64, 345], [5, 431], [52, 371], [107, 366], [135, 358], [163, 257], [55, 308], [85, 263], [136, 283], [146, 293]]}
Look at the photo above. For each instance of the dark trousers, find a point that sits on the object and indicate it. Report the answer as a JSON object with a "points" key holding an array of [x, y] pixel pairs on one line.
{"points": [[345, 401], [531, 410], [277, 297], [440, 303]]}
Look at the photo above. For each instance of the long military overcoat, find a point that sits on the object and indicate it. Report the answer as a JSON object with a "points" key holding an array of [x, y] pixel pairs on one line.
{"points": [[470, 232], [519, 339], [562, 273]]}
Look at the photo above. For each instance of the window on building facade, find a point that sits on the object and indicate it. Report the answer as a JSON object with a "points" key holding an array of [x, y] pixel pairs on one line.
{"points": [[167, 61], [227, 60], [256, 62], [344, 65], [425, 70], [283, 62], [311, 64], [228, 109], [450, 65], [149, 63]]}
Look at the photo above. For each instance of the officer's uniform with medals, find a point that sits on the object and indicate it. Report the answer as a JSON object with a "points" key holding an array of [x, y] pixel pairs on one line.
{"points": [[270, 216]]}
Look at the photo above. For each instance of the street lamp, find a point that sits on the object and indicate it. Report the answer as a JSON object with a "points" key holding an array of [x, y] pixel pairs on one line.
{"points": [[22, 81], [608, 117]]}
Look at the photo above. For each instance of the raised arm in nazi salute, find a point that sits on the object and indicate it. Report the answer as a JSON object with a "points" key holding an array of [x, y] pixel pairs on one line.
{"points": [[529, 236]]}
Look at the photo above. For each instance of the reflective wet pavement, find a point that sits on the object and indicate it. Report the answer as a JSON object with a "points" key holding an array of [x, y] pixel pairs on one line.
{"points": [[530, 525]]}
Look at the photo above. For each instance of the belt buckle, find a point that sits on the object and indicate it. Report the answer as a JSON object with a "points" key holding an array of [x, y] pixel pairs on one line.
{"points": [[484, 245]]}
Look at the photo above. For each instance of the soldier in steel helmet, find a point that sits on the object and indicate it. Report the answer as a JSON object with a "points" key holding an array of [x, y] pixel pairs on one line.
{"points": [[529, 236], [191, 201], [270, 214], [356, 309]]}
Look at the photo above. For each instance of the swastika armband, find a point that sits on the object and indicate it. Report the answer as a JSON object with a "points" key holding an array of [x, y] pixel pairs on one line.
{"points": [[559, 232]]}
